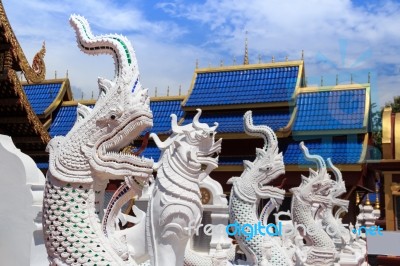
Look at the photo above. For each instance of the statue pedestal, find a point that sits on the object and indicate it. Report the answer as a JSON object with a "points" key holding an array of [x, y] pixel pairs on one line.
{"points": [[21, 196]]}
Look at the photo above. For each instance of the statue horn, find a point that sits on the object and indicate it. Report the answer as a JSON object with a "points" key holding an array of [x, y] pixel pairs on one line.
{"points": [[196, 123], [174, 125]]}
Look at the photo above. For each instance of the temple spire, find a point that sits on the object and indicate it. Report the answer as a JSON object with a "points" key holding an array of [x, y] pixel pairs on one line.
{"points": [[246, 52]]}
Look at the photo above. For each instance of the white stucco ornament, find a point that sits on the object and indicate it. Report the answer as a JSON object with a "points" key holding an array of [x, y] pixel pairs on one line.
{"points": [[175, 209]]}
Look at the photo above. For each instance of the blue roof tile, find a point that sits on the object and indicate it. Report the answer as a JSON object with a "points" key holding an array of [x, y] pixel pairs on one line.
{"points": [[161, 115], [232, 122], [63, 121], [330, 110], [65, 118], [152, 151], [41, 96], [244, 86], [340, 152]]}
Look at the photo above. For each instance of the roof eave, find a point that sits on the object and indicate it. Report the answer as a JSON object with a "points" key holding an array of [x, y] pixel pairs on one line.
{"points": [[362, 130]]}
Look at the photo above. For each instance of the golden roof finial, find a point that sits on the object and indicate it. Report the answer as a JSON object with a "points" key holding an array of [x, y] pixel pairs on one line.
{"points": [[302, 54], [273, 59], [259, 59], [357, 198], [377, 205], [351, 78], [168, 91], [369, 77], [221, 63], [55, 74], [66, 75], [197, 63], [155, 92], [234, 60], [92, 94], [286, 58], [180, 88], [337, 79], [246, 52], [322, 81], [367, 202]]}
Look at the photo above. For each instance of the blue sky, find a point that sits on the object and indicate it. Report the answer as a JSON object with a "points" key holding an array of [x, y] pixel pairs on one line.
{"points": [[337, 36]]}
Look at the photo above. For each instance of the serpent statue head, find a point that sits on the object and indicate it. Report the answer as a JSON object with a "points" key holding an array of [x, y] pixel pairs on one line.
{"points": [[93, 149], [268, 165], [317, 187]]}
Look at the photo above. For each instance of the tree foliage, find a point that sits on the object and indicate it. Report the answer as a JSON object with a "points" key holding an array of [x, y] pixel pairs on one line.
{"points": [[395, 104]]}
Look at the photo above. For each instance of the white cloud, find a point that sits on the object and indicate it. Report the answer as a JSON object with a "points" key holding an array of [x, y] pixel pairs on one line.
{"points": [[34, 21], [167, 54]]}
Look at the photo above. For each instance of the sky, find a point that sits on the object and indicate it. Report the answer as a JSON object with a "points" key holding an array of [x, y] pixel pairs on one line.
{"points": [[339, 37]]}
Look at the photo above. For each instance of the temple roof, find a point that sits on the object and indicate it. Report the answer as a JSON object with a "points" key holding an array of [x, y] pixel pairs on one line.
{"points": [[341, 109], [44, 97], [232, 121], [65, 118], [162, 108], [347, 151], [344, 151], [17, 117], [242, 85]]}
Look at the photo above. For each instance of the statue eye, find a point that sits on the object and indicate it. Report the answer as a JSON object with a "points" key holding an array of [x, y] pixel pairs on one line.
{"points": [[112, 117]]}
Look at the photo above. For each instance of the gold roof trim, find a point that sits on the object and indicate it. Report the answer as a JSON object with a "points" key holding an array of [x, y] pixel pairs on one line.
{"points": [[168, 98], [32, 118], [364, 149], [65, 88], [33, 74], [330, 132], [335, 88], [387, 133], [397, 136], [285, 131], [239, 106], [190, 88], [84, 102], [248, 67]]}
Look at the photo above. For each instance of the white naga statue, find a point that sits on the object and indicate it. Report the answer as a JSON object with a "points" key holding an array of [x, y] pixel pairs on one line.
{"points": [[327, 240], [252, 186], [82, 162]]}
